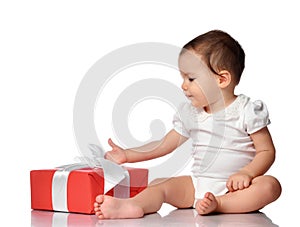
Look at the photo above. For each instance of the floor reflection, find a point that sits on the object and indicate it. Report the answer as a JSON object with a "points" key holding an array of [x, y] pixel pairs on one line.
{"points": [[181, 217]]}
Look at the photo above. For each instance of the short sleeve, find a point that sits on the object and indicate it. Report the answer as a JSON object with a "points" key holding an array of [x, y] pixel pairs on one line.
{"points": [[178, 124], [256, 116]]}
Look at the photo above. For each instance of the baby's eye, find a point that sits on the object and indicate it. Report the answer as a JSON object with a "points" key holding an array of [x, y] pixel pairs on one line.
{"points": [[191, 79]]}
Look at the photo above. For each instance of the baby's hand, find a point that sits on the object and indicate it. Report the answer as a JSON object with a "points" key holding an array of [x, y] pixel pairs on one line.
{"points": [[238, 181], [117, 153]]}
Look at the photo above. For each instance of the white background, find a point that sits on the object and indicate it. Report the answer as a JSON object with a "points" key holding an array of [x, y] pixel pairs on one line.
{"points": [[46, 47]]}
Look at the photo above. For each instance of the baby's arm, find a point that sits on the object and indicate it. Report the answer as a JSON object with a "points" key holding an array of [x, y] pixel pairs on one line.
{"points": [[152, 150], [264, 158]]}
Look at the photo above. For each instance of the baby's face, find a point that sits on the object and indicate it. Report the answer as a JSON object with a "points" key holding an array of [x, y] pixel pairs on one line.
{"points": [[199, 83]]}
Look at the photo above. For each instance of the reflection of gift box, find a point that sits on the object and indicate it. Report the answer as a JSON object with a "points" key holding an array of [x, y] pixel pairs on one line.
{"points": [[60, 219], [81, 188]]}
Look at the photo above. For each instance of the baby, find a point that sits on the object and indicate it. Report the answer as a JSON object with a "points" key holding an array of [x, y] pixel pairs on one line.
{"points": [[232, 146]]}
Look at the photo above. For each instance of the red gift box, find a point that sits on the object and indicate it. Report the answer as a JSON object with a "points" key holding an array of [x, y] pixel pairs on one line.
{"points": [[83, 185]]}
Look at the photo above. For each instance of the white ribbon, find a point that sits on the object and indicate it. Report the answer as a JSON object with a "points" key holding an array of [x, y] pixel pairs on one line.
{"points": [[114, 177], [59, 186], [122, 190]]}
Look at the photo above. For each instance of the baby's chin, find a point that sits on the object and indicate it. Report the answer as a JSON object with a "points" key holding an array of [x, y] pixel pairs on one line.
{"points": [[197, 104]]}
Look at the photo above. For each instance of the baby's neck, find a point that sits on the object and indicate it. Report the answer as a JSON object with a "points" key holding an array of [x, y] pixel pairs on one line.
{"points": [[220, 104]]}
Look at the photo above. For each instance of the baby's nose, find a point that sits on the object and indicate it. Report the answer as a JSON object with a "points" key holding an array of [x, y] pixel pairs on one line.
{"points": [[184, 86]]}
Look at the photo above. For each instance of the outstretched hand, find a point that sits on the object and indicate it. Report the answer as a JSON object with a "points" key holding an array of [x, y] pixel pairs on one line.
{"points": [[117, 154]]}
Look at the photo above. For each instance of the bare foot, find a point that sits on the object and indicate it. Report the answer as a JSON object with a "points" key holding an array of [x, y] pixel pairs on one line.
{"points": [[207, 205], [107, 207]]}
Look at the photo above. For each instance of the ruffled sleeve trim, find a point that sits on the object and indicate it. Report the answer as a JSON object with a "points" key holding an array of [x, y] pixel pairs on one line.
{"points": [[256, 116]]}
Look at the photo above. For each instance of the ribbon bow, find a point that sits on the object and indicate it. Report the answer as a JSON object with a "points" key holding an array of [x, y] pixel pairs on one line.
{"points": [[114, 173], [115, 177]]}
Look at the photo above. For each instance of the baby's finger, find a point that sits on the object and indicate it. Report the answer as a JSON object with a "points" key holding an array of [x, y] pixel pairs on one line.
{"points": [[229, 185], [241, 185], [235, 185], [111, 143], [107, 155], [246, 184]]}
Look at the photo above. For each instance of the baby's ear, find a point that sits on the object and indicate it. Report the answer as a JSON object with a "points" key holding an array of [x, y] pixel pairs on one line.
{"points": [[224, 78]]}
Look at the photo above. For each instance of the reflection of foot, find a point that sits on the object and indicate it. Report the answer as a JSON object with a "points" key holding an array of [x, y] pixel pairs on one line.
{"points": [[207, 205], [107, 207], [229, 220]]}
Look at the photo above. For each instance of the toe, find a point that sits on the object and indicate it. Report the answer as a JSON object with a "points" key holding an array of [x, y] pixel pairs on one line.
{"points": [[100, 199], [200, 210], [199, 207], [205, 202], [210, 196], [99, 215]]}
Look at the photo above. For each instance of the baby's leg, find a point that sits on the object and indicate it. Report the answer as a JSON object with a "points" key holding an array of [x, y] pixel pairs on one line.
{"points": [[262, 191], [177, 191]]}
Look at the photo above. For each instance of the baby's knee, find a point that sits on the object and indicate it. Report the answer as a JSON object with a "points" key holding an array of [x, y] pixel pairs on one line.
{"points": [[157, 181], [271, 187]]}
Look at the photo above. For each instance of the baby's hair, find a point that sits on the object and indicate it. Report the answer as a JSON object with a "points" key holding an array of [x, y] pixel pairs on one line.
{"points": [[220, 52]]}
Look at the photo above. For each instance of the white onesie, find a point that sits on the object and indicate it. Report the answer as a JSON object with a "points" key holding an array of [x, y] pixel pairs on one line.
{"points": [[221, 141]]}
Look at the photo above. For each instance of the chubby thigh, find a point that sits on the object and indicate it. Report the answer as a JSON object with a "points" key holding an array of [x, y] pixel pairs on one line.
{"points": [[178, 191]]}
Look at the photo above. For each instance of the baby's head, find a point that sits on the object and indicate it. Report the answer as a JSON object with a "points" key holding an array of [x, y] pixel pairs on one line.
{"points": [[219, 51]]}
